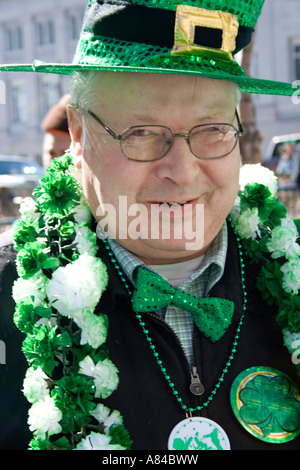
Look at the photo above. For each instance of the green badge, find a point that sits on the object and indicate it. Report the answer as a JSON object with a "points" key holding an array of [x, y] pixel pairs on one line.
{"points": [[267, 404], [198, 434]]}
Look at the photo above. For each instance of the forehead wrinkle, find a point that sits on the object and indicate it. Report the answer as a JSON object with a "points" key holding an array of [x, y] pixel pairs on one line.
{"points": [[136, 110], [143, 118], [146, 119], [195, 89]]}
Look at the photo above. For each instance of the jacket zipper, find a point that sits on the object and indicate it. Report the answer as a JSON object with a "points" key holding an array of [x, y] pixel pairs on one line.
{"points": [[196, 387]]}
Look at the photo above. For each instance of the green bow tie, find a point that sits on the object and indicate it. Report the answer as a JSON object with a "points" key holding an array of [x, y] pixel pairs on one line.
{"points": [[211, 315]]}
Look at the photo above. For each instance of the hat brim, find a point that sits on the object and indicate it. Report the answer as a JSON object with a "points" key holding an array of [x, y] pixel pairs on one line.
{"points": [[247, 84]]}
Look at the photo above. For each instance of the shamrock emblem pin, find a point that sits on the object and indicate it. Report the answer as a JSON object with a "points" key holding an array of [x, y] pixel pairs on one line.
{"points": [[267, 404]]}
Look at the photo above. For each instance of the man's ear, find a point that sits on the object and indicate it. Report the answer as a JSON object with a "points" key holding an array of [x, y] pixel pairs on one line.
{"points": [[75, 129]]}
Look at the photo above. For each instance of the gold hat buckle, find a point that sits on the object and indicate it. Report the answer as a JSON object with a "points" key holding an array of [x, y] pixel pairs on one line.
{"points": [[188, 18]]}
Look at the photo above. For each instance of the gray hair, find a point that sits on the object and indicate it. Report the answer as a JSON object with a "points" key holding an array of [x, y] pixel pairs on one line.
{"points": [[237, 94], [83, 90]]}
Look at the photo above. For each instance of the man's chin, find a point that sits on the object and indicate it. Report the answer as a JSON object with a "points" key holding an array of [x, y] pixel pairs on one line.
{"points": [[163, 251]]}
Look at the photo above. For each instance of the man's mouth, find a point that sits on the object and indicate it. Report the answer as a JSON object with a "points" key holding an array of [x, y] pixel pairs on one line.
{"points": [[172, 204], [175, 208]]}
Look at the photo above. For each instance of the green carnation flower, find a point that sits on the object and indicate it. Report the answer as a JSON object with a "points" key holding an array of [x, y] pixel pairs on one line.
{"points": [[24, 316], [26, 231], [38, 348], [40, 444], [33, 258], [279, 212], [45, 444], [120, 436], [60, 164], [289, 314], [256, 195], [73, 395], [58, 195], [67, 230], [269, 283]]}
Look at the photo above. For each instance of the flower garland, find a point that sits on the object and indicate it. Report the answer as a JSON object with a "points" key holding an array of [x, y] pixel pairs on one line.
{"points": [[61, 281], [272, 241]]}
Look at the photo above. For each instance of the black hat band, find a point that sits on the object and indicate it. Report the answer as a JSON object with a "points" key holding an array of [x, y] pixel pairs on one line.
{"points": [[153, 26]]}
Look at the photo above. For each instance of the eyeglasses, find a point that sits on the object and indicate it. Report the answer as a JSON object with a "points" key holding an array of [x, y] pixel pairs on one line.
{"points": [[150, 143]]}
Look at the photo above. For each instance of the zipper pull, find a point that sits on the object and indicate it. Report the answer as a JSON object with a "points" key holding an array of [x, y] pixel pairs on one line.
{"points": [[196, 386]]}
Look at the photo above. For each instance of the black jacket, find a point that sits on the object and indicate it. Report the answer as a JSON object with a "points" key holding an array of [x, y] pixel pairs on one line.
{"points": [[143, 397]]}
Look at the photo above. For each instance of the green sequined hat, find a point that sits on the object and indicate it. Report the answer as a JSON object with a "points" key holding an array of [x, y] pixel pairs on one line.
{"points": [[198, 37]]}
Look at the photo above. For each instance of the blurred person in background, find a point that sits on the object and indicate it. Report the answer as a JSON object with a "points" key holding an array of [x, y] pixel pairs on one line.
{"points": [[55, 125]]}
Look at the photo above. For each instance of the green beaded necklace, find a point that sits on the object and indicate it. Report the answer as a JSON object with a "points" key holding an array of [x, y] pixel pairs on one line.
{"points": [[165, 374]]}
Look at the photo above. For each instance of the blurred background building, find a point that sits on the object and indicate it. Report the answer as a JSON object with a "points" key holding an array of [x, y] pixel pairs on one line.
{"points": [[34, 29], [276, 56]]}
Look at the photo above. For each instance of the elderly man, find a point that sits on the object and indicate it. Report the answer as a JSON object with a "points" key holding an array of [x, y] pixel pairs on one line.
{"points": [[144, 338], [182, 174]]}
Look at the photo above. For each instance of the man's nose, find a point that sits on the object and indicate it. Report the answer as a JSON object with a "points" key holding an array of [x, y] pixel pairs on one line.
{"points": [[179, 164]]}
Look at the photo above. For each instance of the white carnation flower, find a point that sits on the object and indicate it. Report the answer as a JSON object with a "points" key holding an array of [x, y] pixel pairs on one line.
{"points": [[82, 213], [44, 418], [291, 340], [104, 416], [104, 373], [24, 289], [29, 209], [85, 240], [97, 441], [93, 328], [35, 385], [76, 173], [256, 173], [291, 276], [236, 209], [247, 224], [48, 322], [283, 240], [78, 285]]}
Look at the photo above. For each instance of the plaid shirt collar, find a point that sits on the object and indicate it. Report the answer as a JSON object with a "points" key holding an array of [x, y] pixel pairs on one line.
{"points": [[212, 266]]}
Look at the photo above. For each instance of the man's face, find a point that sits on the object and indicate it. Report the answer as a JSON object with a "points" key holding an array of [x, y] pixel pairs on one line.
{"points": [[109, 179], [55, 144]]}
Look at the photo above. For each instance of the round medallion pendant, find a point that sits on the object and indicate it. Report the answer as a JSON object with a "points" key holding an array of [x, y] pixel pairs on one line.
{"points": [[198, 434], [267, 402]]}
